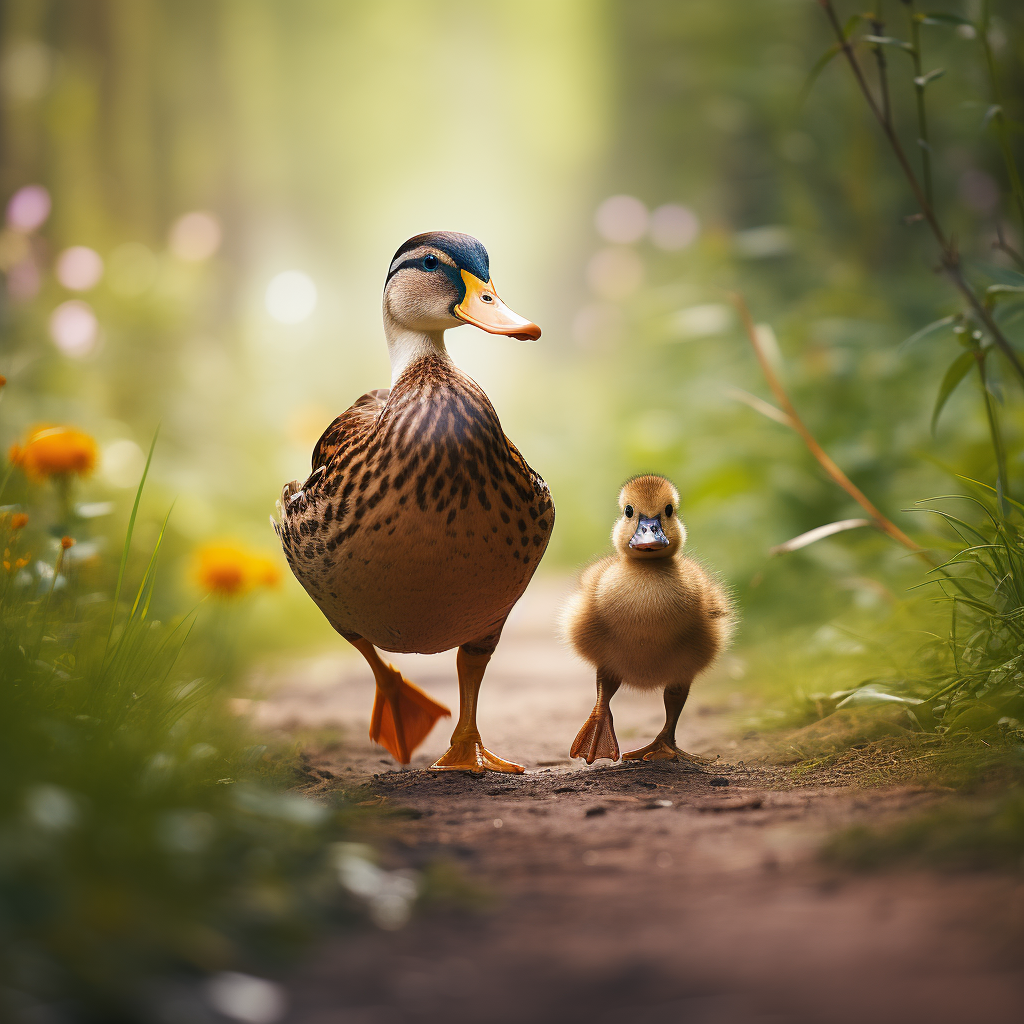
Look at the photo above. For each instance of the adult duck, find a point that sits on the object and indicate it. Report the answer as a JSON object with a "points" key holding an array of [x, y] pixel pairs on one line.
{"points": [[421, 524]]}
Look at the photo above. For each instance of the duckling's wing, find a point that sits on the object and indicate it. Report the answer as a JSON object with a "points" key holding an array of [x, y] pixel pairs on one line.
{"points": [[353, 421]]}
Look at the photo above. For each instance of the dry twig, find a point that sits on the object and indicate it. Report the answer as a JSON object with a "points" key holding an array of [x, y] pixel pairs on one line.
{"points": [[883, 523]]}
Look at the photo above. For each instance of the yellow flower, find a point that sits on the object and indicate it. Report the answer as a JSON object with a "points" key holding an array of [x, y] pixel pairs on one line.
{"points": [[55, 451], [227, 569], [18, 520]]}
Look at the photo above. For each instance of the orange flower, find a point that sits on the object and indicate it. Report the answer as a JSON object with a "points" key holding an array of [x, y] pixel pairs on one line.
{"points": [[67, 542], [3, 380], [227, 569], [18, 520], [55, 451]]}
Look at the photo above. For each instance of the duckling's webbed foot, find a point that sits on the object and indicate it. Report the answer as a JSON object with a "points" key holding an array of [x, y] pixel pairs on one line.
{"points": [[597, 737], [662, 749]]}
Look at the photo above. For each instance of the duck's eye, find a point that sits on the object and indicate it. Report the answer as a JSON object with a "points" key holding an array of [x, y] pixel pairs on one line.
{"points": [[668, 511], [430, 263], [486, 298], [629, 511]]}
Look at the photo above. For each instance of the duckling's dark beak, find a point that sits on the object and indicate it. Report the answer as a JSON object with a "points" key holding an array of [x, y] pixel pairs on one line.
{"points": [[482, 308], [648, 535]]}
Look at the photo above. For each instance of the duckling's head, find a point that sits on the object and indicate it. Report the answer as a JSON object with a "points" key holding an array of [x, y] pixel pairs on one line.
{"points": [[442, 279], [649, 526]]}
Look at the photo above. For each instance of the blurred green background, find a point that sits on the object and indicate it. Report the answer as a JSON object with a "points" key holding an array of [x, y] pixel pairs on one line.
{"points": [[201, 201], [315, 136]]}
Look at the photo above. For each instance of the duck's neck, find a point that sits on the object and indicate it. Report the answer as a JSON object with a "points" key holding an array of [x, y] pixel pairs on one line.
{"points": [[406, 346]]}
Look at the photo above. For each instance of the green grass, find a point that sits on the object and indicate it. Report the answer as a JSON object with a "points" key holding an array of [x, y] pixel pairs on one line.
{"points": [[985, 834], [146, 837]]}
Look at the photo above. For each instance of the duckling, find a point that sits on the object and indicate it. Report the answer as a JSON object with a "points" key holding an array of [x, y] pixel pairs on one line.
{"points": [[421, 524], [646, 616]]}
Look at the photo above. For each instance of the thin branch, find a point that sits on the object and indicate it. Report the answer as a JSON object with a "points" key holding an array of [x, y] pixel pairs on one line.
{"points": [[878, 29], [922, 116], [999, 117], [885, 524], [1003, 246], [950, 255]]}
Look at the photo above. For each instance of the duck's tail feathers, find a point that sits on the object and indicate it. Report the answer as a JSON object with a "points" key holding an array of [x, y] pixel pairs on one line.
{"points": [[403, 717]]}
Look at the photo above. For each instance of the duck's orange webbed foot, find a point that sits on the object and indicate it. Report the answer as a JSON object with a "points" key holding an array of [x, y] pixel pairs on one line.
{"points": [[597, 737], [402, 716], [470, 755], [663, 749]]}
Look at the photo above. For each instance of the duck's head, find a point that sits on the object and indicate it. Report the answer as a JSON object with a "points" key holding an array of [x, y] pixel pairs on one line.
{"points": [[649, 526], [442, 279]]}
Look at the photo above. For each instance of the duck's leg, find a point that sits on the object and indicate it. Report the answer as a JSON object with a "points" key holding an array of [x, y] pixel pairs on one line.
{"points": [[402, 713], [664, 748], [597, 737], [467, 752]]}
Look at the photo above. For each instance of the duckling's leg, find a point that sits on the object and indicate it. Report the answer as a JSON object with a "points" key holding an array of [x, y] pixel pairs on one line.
{"points": [[597, 737], [664, 748], [402, 713], [467, 753]]}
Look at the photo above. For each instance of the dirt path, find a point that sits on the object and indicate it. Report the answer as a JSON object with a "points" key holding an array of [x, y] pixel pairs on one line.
{"points": [[647, 891]]}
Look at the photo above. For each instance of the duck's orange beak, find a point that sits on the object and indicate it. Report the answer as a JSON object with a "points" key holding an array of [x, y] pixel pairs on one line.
{"points": [[482, 308]]}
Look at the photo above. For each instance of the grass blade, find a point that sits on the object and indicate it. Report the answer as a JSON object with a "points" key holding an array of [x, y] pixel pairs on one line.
{"points": [[128, 539], [959, 369]]}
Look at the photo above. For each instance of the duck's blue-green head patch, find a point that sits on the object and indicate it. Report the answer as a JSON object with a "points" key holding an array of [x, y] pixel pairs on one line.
{"points": [[463, 260], [463, 252]]}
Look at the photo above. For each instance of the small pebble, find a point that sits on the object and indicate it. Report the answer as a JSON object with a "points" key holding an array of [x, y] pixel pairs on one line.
{"points": [[593, 812], [719, 781]]}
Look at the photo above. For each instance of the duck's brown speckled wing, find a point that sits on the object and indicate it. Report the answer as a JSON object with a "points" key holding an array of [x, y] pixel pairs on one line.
{"points": [[350, 426], [421, 524]]}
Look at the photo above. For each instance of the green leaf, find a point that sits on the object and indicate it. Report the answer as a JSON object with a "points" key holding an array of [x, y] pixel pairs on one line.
{"points": [[940, 18], [998, 290], [990, 113], [935, 325], [956, 373], [889, 41], [812, 75], [922, 80]]}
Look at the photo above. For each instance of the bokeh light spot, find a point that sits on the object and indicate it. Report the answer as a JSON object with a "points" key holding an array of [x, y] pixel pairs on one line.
{"points": [[291, 297], [621, 219], [79, 268], [28, 208], [74, 329], [23, 280], [702, 321], [674, 227], [245, 998], [615, 273], [122, 463], [195, 236], [26, 69]]}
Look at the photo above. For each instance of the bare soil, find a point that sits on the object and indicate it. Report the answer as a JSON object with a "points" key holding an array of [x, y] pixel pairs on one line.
{"points": [[633, 890]]}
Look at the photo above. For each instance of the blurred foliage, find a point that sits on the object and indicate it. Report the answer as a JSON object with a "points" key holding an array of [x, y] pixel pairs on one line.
{"points": [[982, 834], [201, 149], [146, 840]]}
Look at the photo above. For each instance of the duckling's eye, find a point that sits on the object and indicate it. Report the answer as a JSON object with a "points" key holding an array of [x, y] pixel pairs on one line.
{"points": [[668, 511], [629, 511], [430, 263]]}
